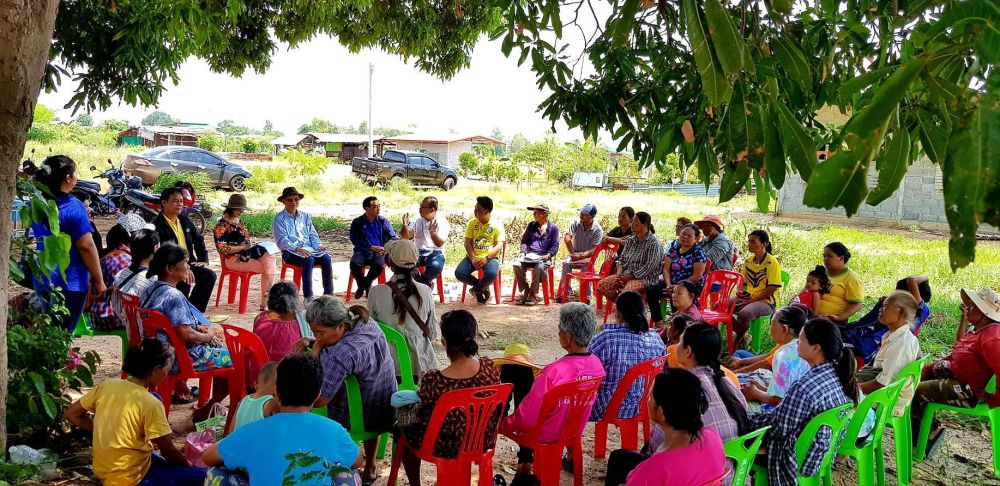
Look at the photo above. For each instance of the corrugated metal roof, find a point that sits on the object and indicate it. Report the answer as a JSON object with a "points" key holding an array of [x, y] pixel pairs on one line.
{"points": [[342, 137], [174, 129], [439, 138], [289, 140]]}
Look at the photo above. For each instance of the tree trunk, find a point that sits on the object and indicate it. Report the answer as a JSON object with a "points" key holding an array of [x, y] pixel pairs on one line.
{"points": [[25, 36]]}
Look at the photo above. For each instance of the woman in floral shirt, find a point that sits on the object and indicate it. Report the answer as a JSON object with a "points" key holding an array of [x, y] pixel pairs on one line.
{"points": [[234, 244]]}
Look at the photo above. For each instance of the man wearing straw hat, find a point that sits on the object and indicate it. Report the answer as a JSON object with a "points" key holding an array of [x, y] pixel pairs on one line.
{"points": [[298, 240], [960, 378]]}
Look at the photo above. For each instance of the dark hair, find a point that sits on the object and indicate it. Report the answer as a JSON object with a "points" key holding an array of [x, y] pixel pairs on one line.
{"points": [[53, 172], [763, 237], [792, 316], [628, 210], [824, 279], [149, 356], [693, 227], [283, 297], [167, 255], [691, 288], [646, 219], [230, 211], [142, 246], [630, 305], [117, 236], [403, 281], [679, 393], [299, 379], [923, 287], [170, 191], [368, 201], [433, 200], [840, 250], [824, 333], [458, 328], [706, 345], [684, 221], [485, 202], [680, 322]]}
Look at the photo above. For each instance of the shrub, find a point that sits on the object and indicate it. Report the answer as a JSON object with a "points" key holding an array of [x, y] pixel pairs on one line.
{"points": [[256, 184], [352, 186], [312, 185], [209, 141], [259, 223], [255, 146], [199, 180], [468, 162], [307, 164], [271, 174], [400, 185], [43, 133]]}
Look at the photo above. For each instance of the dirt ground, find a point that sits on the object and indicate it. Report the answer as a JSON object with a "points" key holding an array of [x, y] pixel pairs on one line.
{"points": [[965, 458]]}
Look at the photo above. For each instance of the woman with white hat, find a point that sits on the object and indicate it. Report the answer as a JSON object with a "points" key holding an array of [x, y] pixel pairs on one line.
{"points": [[960, 378], [241, 254]]}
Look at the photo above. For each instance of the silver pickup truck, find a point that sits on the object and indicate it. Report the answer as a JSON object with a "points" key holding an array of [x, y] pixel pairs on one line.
{"points": [[416, 167]]}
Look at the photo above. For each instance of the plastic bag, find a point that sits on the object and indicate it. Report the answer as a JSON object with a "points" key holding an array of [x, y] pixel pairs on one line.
{"points": [[195, 444]]}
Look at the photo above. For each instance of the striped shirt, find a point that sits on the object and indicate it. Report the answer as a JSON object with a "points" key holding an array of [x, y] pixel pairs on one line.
{"points": [[642, 259], [364, 353]]}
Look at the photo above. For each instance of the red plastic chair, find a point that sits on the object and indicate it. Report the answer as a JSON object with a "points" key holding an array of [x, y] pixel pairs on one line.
{"points": [[717, 307], [478, 406], [350, 281], [154, 322], [440, 284], [605, 253], [130, 305], [547, 287], [236, 279], [296, 272], [244, 344], [496, 282], [629, 427], [573, 402]]}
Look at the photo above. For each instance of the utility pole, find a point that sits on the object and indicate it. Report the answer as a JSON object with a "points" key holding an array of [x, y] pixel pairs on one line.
{"points": [[371, 139]]}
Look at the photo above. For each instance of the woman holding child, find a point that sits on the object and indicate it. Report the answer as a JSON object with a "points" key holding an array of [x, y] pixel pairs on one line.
{"points": [[235, 246]]}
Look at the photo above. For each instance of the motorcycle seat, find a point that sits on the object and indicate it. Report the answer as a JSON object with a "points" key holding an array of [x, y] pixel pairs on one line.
{"points": [[88, 185], [144, 196]]}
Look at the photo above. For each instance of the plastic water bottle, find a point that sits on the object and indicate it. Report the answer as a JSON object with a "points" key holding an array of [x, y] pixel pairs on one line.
{"points": [[22, 454]]}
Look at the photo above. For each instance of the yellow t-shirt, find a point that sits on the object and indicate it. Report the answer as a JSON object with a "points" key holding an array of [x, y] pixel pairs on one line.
{"points": [[484, 236], [126, 420], [756, 277], [178, 231], [845, 289]]}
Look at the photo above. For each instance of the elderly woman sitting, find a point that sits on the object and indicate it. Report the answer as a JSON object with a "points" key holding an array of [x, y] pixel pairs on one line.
{"points": [[577, 323], [349, 342]]}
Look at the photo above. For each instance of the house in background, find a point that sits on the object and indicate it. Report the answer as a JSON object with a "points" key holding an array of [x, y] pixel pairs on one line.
{"points": [[129, 136], [301, 141], [345, 146], [444, 147], [182, 134]]}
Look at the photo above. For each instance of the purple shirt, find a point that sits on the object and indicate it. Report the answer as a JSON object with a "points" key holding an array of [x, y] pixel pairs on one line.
{"points": [[534, 241]]}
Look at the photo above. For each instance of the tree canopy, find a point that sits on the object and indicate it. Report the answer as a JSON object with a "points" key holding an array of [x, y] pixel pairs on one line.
{"points": [[158, 118]]}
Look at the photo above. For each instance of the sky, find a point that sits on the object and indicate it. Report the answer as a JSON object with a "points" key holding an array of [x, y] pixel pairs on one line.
{"points": [[322, 79]]}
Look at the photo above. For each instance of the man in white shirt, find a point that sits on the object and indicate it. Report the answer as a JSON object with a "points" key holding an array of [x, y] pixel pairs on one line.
{"points": [[429, 233], [899, 348]]}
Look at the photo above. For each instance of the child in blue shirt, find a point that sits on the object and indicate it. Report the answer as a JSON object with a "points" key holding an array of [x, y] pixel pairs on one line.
{"points": [[261, 403]]}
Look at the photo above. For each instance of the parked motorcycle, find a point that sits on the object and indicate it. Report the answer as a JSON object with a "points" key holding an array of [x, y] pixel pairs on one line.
{"points": [[148, 205], [114, 200]]}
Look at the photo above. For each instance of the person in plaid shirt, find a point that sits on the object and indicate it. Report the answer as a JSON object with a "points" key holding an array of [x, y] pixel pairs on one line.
{"points": [[638, 263], [349, 342], [116, 257], [829, 383]]}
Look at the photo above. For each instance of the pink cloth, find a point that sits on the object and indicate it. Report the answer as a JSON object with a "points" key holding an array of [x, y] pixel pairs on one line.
{"points": [[571, 367], [692, 311], [694, 465], [278, 336]]}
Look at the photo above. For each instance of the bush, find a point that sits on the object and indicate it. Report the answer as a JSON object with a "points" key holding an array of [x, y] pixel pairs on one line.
{"points": [[255, 146], [43, 133], [271, 174], [400, 185], [352, 186], [256, 184], [202, 184], [209, 141], [307, 164], [312, 185], [468, 162]]}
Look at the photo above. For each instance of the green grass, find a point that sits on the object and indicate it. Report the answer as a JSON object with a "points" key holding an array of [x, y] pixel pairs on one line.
{"points": [[259, 223]]}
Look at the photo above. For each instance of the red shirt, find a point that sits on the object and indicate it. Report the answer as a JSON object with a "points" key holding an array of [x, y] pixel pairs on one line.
{"points": [[976, 358]]}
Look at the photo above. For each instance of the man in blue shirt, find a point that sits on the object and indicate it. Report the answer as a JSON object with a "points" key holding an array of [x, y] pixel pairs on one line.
{"points": [[294, 446], [298, 240], [369, 234]]}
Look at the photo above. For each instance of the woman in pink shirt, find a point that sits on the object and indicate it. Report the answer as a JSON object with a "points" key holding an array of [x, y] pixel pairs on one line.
{"points": [[691, 453], [577, 323], [685, 300]]}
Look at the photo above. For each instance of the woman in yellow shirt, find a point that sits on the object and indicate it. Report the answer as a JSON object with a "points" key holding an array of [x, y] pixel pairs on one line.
{"points": [[128, 421], [846, 289]]}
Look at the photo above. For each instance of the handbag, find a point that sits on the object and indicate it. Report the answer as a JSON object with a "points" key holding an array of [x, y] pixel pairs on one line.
{"points": [[410, 310], [253, 253]]}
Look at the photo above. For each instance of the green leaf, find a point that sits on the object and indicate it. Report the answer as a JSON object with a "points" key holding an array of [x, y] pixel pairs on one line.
{"points": [[713, 82], [798, 145], [50, 406], [729, 45], [853, 86], [15, 271], [891, 167], [774, 154], [38, 381], [933, 137], [763, 192], [733, 179], [793, 62], [623, 23]]}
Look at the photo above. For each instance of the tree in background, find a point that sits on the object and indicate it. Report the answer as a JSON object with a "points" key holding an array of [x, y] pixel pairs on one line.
{"points": [[85, 120], [114, 125], [269, 130], [231, 129], [159, 118], [43, 114], [317, 125]]}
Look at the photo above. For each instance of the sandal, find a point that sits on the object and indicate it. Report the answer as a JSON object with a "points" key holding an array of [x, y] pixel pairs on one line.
{"points": [[369, 481], [178, 400]]}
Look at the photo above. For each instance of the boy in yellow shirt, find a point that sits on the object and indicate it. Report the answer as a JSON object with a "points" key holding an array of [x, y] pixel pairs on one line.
{"points": [[483, 243]]}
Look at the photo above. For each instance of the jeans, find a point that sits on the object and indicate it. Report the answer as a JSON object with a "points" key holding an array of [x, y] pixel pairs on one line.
{"points": [[375, 264], [433, 264], [742, 354], [307, 264], [162, 474], [204, 284], [464, 274]]}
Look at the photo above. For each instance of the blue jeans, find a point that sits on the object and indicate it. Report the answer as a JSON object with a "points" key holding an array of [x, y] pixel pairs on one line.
{"points": [[307, 264], [742, 354], [433, 264], [465, 274], [162, 474]]}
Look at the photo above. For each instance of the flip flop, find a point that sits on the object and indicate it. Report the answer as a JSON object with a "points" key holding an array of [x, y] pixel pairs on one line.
{"points": [[185, 401], [369, 482]]}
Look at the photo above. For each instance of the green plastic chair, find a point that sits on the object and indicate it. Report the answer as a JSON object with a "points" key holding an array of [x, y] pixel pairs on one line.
{"points": [[397, 341], [902, 433], [758, 325], [83, 329], [743, 450], [981, 410], [835, 419], [357, 417], [863, 449]]}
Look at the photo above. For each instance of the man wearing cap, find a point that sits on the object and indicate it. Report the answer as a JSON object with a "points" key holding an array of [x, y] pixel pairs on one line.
{"points": [[538, 245], [369, 234], [298, 240], [581, 239], [717, 246], [172, 226], [483, 244], [429, 233], [960, 378]]}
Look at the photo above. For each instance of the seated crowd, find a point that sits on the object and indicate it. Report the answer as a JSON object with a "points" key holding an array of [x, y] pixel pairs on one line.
{"points": [[656, 301]]}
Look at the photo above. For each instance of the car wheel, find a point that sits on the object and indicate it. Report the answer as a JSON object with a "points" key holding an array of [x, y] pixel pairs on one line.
{"points": [[238, 183], [448, 184]]}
